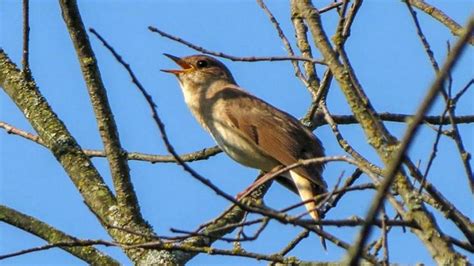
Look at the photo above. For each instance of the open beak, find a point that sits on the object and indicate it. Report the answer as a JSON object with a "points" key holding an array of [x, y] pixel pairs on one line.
{"points": [[185, 66]]}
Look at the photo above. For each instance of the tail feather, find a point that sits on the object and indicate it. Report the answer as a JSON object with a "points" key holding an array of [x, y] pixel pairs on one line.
{"points": [[306, 191]]}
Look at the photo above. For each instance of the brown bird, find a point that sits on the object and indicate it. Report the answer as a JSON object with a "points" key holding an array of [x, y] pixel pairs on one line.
{"points": [[248, 129]]}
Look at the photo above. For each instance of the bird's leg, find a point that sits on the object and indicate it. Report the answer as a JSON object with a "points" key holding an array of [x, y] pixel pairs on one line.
{"points": [[261, 179], [251, 188]]}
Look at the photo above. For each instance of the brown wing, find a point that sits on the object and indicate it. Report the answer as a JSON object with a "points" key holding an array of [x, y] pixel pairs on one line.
{"points": [[277, 133]]}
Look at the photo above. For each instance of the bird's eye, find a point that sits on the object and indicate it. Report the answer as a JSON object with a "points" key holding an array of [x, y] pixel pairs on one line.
{"points": [[202, 64]]}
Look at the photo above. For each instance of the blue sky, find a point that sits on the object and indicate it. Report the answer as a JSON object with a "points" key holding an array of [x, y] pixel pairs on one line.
{"points": [[384, 50]]}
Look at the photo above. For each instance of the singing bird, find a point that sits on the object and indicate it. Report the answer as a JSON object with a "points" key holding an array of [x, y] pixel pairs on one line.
{"points": [[248, 129]]}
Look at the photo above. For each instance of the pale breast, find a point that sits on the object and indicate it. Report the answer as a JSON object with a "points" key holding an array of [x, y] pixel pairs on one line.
{"points": [[240, 148], [208, 111]]}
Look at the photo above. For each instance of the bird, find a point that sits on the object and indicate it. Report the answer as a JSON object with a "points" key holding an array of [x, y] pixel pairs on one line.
{"points": [[248, 129]]}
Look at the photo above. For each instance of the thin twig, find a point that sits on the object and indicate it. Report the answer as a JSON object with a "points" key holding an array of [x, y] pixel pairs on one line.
{"points": [[74, 243], [137, 156], [286, 43], [439, 15], [343, 143], [385, 259], [433, 153], [391, 117], [336, 193], [462, 244], [263, 224], [461, 92], [107, 127], [26, 39], [293, 243], [305, 49], [422, 37], [330, 7], [231, 57], [280, 170], [435, 65], [348, 183]]}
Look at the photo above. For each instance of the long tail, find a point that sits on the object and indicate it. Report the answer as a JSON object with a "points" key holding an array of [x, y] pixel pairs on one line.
{"points": [[306, 191]]}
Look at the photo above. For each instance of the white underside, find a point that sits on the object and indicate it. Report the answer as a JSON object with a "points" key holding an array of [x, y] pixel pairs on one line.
{"points": [[240, 148]]}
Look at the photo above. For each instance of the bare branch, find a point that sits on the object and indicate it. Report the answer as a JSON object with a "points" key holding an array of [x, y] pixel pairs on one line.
{"points": [[433, 153], [26, 39], [40, 229], [339, 193], [287, 45], [304, 234], [440, 16], [64, 245], [385, 260], [203, 154], [331, 6], [152, 158], [461, 93], [263, 224], [343, 143], [462, 244], [391, 117], [280, 170], [230, 57], [422, 37], [116, 156]]}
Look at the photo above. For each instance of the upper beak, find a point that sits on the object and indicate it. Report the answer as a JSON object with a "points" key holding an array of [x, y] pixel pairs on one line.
{"points": [[186, 66]]}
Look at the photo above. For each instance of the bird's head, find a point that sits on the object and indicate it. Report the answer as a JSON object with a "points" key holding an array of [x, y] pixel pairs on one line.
{"points": [[199, 70]]}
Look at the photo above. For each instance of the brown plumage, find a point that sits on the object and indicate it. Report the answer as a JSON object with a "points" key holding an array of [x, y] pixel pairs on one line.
{"points": [[249, 130]]}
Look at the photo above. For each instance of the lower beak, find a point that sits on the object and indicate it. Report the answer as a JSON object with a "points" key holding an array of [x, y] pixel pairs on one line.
{"points": [[186, 66]]}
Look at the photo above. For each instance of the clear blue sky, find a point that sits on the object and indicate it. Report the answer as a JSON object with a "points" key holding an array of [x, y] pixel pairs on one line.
{"points": [[384, 49]]}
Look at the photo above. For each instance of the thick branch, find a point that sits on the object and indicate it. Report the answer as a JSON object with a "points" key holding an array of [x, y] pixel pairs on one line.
{"points": [[116, 156], [440, 16], [40, 229]]}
